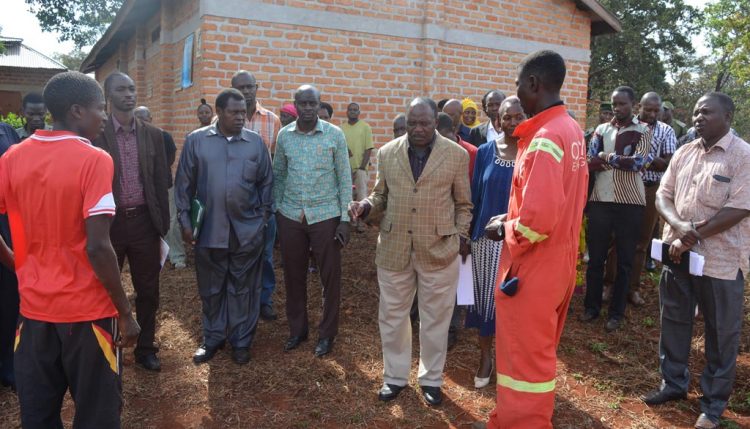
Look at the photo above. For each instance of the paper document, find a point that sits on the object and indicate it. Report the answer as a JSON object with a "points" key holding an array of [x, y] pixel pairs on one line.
{"points": [[691, 260], [465, 291], [163, 251]]}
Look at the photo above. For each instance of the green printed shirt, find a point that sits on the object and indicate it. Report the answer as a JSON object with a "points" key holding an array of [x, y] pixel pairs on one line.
{"points": [[312, 177]]}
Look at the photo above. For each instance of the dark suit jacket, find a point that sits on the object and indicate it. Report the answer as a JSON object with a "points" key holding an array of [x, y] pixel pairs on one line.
{"points": [[478, 134], [154, 170]]}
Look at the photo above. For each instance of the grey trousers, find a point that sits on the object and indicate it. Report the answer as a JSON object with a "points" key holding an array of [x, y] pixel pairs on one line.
{"points": [[721, 302], [229, 284]]}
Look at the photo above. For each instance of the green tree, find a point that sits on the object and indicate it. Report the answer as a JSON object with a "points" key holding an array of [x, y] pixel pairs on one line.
{"points": [[728, 30], [73, 59], [655, 40], [82, 21]]}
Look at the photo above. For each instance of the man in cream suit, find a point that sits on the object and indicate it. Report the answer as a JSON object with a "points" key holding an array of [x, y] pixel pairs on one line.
{"points": [[423, 187]]}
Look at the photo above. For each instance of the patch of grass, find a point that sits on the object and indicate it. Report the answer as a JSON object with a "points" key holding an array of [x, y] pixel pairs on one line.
{"points": [[598, 347], [649, 322], [729, 424]]}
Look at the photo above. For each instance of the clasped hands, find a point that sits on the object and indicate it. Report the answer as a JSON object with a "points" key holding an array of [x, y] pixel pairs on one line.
{"points": [[689, 237]]}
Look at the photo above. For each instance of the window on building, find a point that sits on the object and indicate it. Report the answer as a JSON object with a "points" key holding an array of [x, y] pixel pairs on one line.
{"points": [[187, 62]]}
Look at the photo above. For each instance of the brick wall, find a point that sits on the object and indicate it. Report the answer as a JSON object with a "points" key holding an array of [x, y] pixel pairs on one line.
{"points": [[381, 72], [17, 82]]}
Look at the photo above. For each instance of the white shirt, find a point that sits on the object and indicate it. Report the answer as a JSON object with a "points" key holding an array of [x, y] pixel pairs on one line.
{"points": [[492, 134]]}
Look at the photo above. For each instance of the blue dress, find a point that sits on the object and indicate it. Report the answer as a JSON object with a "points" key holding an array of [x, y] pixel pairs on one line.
{"points": [[490, 192]]}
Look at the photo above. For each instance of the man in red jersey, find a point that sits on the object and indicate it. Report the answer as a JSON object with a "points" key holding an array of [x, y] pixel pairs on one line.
{"points": [[57, 191], [540, 233]]}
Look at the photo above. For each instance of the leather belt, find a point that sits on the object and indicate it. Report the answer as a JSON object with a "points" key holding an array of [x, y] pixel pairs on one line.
{"points": [[131, 212], [650, 183]]}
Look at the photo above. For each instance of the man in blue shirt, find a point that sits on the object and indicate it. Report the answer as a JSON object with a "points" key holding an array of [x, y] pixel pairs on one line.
{"points": [[8, 284]]}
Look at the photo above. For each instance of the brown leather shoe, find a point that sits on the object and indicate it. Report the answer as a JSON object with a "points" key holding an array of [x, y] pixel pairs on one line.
{"points": [[705, 422], [635, 299]]}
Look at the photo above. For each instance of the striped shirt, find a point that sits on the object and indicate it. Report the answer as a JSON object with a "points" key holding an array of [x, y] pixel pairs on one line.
{"points": [[663, 144], [265, 123], [617, 179]]}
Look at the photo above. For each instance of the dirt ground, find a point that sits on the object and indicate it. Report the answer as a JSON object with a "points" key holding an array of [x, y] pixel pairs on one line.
{"points": [[600, 376]]}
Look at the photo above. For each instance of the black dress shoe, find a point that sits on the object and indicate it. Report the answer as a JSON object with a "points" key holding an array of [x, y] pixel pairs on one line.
{"points": [[389, 392], [588, 316], [613, 325], [204, 354], [325, 345], [432, 395], [267, 312], [149, 362], [241, 355], [294, 342], [658, 397]]}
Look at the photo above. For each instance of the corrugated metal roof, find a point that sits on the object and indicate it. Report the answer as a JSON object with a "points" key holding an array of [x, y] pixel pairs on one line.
{"points": [[21, 56]]}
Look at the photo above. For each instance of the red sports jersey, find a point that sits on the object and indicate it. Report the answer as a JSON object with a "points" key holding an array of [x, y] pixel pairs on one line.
{"points": [[49, 184]]}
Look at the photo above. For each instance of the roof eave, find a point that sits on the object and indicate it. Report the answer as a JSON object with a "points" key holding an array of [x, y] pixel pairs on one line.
{"points": [[607, 22]]}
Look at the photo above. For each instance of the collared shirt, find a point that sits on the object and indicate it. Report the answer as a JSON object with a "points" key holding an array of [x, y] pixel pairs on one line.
{"points": [[663, 144], [701, 182], [131, 184], [618, 179], [263, 122], [49, 185], [312, 175], [232, 177], [359, 140], [493, 134], [23, 133], [418, 158]]}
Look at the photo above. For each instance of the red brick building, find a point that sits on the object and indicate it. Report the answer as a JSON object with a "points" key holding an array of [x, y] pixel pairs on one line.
{"points": [[379, 54], [22, 70]]}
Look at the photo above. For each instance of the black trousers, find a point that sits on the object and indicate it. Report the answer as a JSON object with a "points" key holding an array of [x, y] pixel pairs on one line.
{"points": [[605, 219], [721, 303], [296, 239], [229, 284], [52, 357], [9, 301], [136, 238]]}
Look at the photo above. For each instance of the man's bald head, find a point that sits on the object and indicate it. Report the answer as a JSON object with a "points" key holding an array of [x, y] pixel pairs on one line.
{"points": [[651, 96], [650, 109], [422, 102], [244, 82], [307, 103], [240, 75], [142, 113], [454, 109]]}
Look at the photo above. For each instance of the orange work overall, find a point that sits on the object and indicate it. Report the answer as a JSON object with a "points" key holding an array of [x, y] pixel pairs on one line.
{"points": [[540, 249]]}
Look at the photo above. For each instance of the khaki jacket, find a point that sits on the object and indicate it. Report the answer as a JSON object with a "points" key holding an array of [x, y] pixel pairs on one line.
{"points": [[428, 216]]}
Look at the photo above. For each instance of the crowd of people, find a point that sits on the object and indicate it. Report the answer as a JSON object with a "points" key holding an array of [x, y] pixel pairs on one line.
{"points": [[513, 193]]}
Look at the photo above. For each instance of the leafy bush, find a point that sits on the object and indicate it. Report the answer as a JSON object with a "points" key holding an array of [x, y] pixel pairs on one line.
{"points": [[15, 121]]}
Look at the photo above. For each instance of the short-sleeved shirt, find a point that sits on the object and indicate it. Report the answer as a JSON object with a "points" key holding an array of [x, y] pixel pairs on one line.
{"points": [[701, 182], [358, 139], [49, 185]]}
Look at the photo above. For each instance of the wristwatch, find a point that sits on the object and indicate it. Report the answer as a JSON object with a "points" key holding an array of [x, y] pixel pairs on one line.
{"points": [[501, 231]]}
